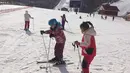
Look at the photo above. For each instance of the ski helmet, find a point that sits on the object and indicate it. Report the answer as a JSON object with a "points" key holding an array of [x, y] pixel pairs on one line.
{"points": [[52, 22]]}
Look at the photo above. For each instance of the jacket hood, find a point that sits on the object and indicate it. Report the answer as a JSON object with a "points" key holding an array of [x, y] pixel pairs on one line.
{"points": [[90, 31]]}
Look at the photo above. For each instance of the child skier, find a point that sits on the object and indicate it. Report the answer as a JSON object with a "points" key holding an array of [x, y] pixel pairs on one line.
{"points": [[56, 32], [63, 21], [27, 17], [88, 45]]}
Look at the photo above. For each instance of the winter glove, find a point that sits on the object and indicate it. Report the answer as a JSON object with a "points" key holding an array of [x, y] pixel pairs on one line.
{"points": [[51, 35], [77, 43], [42, 31]]}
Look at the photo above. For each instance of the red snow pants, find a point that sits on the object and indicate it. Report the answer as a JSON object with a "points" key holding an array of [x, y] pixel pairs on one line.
{"points": [[26, 25], [86, 63]]}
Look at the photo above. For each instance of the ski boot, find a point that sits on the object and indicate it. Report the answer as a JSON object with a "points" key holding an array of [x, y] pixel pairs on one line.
{"points": [[59, 63], [26, 29], [53, 60]]}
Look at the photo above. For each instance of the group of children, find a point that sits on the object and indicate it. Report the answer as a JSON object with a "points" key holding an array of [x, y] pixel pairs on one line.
{"points": [[87, 44]]}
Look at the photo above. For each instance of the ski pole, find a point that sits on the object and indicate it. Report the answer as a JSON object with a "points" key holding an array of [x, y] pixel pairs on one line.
{"points": [[73, 46], [33, 24], [79, 64], [79, 58], [46, 53]]}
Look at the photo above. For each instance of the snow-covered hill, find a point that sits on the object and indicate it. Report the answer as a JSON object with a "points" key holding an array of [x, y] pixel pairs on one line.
{"points": [[63, 3], [20, 51], [123, 5]]}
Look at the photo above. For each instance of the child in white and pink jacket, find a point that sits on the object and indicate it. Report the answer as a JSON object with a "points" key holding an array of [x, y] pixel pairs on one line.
{"points": [[88, 45]]}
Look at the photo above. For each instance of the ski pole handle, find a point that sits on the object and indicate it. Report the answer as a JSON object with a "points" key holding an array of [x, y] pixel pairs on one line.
{"points": [[73, 46], [77, 46]]}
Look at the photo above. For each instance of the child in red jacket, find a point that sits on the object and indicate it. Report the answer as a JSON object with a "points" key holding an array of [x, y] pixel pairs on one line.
{"points": [[56, 32], [88, 45]]}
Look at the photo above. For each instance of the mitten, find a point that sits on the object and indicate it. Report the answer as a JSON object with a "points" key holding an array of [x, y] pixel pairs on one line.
{"points": [[51, 35], [42, 31], [77, 43]]}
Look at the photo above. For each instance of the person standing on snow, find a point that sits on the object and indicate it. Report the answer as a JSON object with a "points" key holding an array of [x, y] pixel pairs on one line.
{"points": [[88, 45], [63, 21], [27, 17], [56, 32]]}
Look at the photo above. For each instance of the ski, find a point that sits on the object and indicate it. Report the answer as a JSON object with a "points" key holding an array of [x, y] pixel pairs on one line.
{"points": [[65, 64], [61, 65], [39, 62]]}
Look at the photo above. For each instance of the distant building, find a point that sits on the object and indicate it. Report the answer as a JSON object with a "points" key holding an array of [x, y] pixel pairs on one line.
{"points": [[106, 9], [75, 3], [64, 9]]}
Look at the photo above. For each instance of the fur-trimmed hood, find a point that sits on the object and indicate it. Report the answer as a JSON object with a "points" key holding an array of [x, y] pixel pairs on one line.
{"points": [[90, 31]]}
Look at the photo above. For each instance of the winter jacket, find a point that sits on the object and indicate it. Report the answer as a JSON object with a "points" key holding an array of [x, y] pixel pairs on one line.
{"points": [[63, 19], [58, 34], [27, 17], [88, 42]]}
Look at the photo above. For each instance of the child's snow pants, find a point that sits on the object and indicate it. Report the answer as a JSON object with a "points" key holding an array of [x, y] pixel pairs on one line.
{"points": [[59, 47], [86, 63], [26, 25]]}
